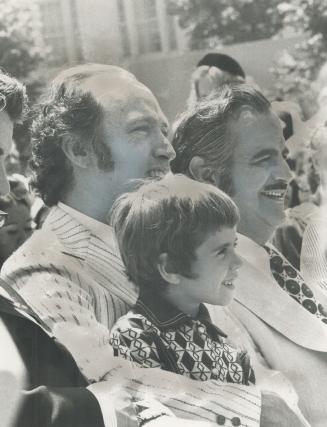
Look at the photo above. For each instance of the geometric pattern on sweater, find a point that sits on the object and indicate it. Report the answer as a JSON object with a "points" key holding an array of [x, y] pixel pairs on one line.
{"points": [[191, 349], [290, 280]]}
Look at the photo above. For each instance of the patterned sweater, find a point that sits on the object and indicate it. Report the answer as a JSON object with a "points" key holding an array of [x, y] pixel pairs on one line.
{"points": [[156, 334]]}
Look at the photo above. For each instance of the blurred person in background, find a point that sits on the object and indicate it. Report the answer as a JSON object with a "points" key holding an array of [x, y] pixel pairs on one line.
{"points": [[213, 71], [314, 246], [12, 161], [19, 224]]}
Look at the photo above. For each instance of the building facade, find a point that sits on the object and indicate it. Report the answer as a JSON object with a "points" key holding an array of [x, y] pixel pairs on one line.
{"points": [[108, 30]]}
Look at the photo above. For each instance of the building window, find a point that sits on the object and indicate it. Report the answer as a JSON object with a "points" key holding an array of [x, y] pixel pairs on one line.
{"points": [[60, 28], [76, 31], [171, 32], [147, 26], [53, 31], [123, 30]]}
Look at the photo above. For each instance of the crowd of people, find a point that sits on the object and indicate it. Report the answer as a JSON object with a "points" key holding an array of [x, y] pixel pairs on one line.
{"points": [[157, 279]]}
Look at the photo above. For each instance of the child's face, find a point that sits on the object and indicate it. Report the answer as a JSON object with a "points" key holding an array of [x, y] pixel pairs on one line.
{"points": [[215, 268]]}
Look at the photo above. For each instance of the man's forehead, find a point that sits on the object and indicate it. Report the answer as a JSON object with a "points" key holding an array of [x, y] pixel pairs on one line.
{"points": [[116, 86], [122, 92], [258, 131]]}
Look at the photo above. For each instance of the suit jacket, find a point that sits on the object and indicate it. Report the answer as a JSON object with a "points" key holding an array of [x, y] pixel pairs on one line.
{"points": [[290, 339], [73, 278], [55, 393]]}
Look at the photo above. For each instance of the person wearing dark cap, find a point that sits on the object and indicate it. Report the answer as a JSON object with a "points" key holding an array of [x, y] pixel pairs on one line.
{"points": [[224, 63], [214, 70]]}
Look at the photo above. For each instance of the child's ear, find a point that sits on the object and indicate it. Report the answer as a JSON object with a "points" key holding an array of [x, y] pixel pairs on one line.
{"points": [[166, 271]]}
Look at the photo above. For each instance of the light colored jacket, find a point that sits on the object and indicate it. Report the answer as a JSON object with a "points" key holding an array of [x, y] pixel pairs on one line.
{"points": [[289, 338]]}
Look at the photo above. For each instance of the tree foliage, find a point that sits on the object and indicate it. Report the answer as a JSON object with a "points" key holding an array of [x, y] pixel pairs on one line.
{"points": [[22, 52], [295, 72], [211, 23], [21, 49]]}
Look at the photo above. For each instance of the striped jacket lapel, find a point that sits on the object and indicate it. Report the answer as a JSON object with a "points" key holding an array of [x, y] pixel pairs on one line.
{"points": [[73, 236], [101, 258]]}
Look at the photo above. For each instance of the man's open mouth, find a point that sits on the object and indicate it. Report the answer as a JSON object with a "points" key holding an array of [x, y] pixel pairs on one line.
{"points": [[157, 173], [275, 191]]}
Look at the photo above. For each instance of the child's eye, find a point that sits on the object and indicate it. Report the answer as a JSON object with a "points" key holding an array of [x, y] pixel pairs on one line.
{"points": [[222, 252]]}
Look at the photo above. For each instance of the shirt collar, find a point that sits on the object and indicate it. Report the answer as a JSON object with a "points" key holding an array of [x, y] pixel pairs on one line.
{"points": [[165, 315], [100, 230]]}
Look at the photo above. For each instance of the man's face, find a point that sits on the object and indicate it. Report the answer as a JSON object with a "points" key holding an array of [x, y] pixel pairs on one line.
{"points": [[260, 174], [6, 132], [135, 129]]}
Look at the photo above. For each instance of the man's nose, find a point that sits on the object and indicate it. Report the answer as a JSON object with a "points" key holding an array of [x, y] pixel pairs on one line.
{"points": [[165, 149], [285, 171]]}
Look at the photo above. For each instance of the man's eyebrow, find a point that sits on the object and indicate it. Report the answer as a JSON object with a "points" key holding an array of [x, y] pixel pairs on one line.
{"points": [[139, 120]]}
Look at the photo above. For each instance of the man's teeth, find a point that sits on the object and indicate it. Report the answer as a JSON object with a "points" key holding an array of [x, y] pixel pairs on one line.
{"points": [[156, 174], [274, 193]]}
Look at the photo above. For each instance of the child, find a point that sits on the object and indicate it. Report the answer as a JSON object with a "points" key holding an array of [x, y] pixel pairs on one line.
{"points": [[177, 239]]}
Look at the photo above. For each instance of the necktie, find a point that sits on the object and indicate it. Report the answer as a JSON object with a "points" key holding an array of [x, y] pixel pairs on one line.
{"points": [[290, 280]]}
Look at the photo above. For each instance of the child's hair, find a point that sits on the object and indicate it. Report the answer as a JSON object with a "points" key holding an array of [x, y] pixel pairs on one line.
{"points": [[173, 215]]}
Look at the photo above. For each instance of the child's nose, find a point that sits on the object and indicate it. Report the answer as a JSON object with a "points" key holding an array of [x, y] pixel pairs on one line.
{"points": [[237, 261]]}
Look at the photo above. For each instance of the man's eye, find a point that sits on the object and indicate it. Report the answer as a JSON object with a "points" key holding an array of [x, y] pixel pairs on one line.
{"points": [[141, 129], [262, 160]]}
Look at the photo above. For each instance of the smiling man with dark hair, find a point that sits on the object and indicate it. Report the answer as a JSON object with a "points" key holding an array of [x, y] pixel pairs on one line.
{"points": [[235, 141]]}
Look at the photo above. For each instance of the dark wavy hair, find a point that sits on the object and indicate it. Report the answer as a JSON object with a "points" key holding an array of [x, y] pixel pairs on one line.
{"points": [[68, 108], [204, 130], [13, 99]]}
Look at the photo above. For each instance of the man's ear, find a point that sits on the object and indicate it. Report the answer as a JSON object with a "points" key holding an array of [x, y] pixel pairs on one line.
{"points": [[202, 172], [76, 153], [165, 270]]}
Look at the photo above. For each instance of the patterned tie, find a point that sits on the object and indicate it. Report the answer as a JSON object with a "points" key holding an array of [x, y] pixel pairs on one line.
{"points": [[290, 280]]}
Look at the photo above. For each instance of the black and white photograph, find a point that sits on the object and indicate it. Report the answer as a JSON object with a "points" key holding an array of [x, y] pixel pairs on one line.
{"points": [[163, 213]]}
